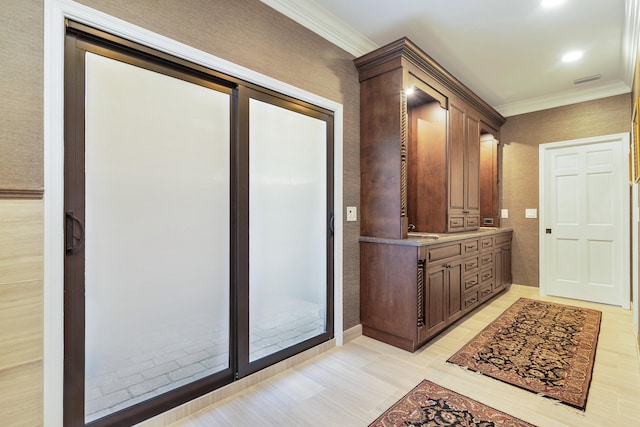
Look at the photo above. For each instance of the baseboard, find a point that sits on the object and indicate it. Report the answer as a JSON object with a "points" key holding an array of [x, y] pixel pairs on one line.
{"points": [[202, 402], [352, 333]]}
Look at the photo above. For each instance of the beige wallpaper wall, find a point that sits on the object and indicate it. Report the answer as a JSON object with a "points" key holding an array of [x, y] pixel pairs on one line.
{"points": [[21, 229], [520, 138], [21, 85]]}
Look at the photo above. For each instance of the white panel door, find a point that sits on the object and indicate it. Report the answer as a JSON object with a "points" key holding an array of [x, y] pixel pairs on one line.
{"points": [[584, 208]]}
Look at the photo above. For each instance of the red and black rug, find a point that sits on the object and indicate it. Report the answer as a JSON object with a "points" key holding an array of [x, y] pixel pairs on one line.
{"points": [[542, 347], [430, 405]]}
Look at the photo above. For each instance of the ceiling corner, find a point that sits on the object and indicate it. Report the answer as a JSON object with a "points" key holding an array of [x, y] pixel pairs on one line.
{"points": [[322, 22]]}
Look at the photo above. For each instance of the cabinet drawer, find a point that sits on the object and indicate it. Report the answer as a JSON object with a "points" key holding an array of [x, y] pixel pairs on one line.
{"points": [[472, 222], [470, 246], [486, 243], [442, 252], [502, 238], [470, 264], [471, 281], [471, 299], [486, 290], [486, 275], [456, 223], [486, 260]]}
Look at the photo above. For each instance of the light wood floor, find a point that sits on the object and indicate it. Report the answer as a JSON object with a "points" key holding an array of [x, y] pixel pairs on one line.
{"points": [[353, 384]]}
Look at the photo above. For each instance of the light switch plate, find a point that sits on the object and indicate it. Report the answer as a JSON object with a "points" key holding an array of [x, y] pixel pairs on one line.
{"points": [[504, 213], [531, 213], [352, 213]]}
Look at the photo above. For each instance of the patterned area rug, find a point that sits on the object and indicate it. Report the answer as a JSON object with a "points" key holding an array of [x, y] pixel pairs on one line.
{"points": [[539, 346], [429, 405]]}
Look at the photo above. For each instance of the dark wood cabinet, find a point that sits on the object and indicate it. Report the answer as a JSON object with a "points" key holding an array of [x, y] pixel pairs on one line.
{"points": [[464, 171], [420, 144], [489, 183], [422, 163], [436, 310], [502, 256], [412, 289]]}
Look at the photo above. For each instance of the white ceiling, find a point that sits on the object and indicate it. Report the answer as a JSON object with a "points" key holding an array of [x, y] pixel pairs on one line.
{"points": [[507, 51]]}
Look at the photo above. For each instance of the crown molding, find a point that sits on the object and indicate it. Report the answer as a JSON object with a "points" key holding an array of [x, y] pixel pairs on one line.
{"points": [[560, 99], [630, 41], [322, 22], [327, 25]]}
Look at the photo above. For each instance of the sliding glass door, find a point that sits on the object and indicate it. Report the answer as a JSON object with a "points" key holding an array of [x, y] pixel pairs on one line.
{"points": [[157, 224], [199, 245], [289, 238]]}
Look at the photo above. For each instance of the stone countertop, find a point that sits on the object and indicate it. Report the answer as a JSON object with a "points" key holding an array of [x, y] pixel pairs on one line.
{"points": [[427, 239]]}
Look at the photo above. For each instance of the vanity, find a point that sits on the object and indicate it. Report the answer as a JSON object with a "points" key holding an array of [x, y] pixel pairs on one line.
{"points": [[431, 249], [414, 288]]}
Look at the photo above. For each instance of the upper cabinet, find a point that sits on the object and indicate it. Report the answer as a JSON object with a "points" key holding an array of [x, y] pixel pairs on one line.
{"points": [[421, 153]]}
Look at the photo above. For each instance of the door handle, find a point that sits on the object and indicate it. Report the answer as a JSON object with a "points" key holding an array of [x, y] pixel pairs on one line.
{"points": [[548, 231], [331, 221], [72, 242]]}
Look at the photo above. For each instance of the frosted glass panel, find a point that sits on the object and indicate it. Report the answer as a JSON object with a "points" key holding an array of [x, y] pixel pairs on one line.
{"points": [[287, 228], [157, 234]]}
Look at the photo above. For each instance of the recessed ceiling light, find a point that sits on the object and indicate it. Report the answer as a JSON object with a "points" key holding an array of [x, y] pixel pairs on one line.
{"points": [[551, 3], [572, 56]]}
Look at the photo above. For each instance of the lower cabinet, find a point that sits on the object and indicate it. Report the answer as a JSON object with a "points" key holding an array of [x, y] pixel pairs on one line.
{"points": [[443, 295], [411, 290]]}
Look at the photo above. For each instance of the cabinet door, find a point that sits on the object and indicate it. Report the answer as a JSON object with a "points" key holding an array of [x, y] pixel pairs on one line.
{"points": [[506, 265], [435, 292], [472, 179], [464, 171], [455, 291], [456, 151], [498, 264]]}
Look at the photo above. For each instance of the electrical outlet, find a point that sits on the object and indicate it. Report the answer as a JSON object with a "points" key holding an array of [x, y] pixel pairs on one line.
{"points": [[352, 213]]}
